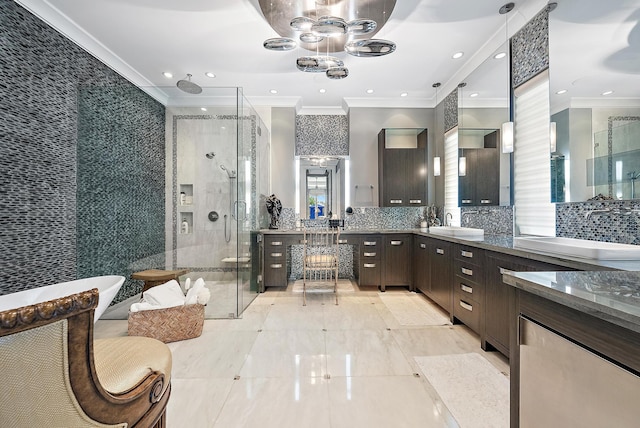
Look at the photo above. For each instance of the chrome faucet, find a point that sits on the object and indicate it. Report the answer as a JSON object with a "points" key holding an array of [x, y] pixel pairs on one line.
{"points": [[446, 219], [467, 213]]}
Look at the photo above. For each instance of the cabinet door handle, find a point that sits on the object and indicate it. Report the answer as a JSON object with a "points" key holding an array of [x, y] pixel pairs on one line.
{"points": [[423, 246], [467, 271], [276, 254], [505, 270], [468, 254], [275, 266], [342, 241], [466, 288], [466, 201], [396, 243], [415, 201], [395, 201], [369, 254], [369, 265], [485, 201], [439, 251], [369, 243], [466, 306], [276, 243]]}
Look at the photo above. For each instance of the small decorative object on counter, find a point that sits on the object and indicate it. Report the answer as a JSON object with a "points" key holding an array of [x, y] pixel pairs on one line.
{"points": [[183, 198], [274, 207], [432, 216]]}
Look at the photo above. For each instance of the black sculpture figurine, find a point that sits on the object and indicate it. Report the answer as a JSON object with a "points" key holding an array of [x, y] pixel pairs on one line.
{"points": [[274, 207]]}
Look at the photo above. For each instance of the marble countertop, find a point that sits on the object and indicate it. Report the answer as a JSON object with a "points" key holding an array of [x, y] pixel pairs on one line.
{"points": [[612, 296], [498, 243]]}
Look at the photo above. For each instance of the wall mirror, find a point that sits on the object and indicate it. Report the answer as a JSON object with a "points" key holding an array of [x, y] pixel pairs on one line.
{"points": [[483, 106], [594, 100], [321, 187]]}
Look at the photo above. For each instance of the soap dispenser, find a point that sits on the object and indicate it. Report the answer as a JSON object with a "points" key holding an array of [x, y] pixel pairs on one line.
{"points": [[185, 226]]}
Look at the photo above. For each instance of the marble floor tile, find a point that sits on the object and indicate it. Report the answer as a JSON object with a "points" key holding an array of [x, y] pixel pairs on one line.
{"points": [[353, 316], [218, 354], [276, 403], [196, 403], [383, 402], [288, 316], [292, 354], [365, 353], [252, 319]]}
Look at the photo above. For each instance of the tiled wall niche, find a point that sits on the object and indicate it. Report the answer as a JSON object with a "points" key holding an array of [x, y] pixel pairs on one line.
{"points": [[47, 233]]}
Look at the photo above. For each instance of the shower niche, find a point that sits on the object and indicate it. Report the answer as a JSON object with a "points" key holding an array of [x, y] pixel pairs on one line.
{"points": [[186, 195]]}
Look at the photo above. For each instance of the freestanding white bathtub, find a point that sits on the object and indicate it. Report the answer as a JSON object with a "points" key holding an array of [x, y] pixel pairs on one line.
{"points": [[107, 286]]}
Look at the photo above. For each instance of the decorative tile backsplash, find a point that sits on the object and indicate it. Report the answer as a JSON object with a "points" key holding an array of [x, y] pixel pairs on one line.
{"points": [[530, 49], [495, 220], [61, 221], [608, 221], [451, 110], [322, 135]]}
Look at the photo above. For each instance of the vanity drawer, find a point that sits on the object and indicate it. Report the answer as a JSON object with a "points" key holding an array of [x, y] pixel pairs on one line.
{"points": [[370, 248], [466, 311], [275, 273], [370, 272]]}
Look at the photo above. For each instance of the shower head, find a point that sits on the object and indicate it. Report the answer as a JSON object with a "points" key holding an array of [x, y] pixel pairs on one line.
{"points": [[210, 155], [231, 173], [188, 86]]}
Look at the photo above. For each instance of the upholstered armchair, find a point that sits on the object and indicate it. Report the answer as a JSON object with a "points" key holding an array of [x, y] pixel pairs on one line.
{"points": [[53, 374]]}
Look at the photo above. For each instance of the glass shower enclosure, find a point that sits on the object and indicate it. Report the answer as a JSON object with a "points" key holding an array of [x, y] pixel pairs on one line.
{"points": [[217, 160]]}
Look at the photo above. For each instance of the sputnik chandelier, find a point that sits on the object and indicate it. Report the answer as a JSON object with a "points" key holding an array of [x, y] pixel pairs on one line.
{"points": [[328, 26]]}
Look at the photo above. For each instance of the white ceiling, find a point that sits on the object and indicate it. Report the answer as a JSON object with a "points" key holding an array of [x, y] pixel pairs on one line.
{"points": [[143, 38]]}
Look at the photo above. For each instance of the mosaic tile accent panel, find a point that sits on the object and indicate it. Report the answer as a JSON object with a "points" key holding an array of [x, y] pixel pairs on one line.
{"points": [[494, 220], [322, 135], [39, 126], [609, 221], [384, 218], [120, 183], [345, 261], [451, 110], [530, 49]]}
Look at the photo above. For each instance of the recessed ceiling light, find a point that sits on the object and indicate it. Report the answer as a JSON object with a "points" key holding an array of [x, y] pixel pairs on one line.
{"points": [[167, 75], [369, 91], [203, 108], [210, 74], [607, 93], [500, 55], [273, 91], [561, 91], [322, 91], [475, 94], [404, 94], [457, 55]]}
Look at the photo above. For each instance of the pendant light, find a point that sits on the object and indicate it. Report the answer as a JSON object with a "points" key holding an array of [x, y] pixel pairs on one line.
{"points": [[506, 130], [436, 158]]}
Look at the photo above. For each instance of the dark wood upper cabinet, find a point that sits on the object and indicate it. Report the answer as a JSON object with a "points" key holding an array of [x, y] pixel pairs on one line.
{"points": [[481, 183], [402, 171]]}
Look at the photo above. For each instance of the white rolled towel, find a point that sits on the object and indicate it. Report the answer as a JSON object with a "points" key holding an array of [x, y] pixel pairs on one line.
{"points": [[146, 306], [203, 296], [192, 294], [165, 295]]}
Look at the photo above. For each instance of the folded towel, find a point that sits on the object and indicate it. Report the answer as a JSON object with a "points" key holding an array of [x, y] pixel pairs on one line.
{"points": [[203, 296], [146, 306], [164, 295], [192, 294]]}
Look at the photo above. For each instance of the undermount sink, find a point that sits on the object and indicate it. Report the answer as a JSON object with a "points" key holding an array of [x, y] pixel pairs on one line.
{"points": [[580, 248], [458, 232]]}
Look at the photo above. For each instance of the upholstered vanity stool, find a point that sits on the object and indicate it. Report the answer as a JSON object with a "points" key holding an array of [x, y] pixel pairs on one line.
{"points": [[153, 277], [53, 374]]}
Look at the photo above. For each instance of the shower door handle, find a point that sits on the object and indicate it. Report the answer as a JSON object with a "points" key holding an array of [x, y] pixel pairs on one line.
{"points": [[235, 210]]}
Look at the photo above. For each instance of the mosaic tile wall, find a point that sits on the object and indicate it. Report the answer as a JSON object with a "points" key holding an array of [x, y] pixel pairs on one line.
{"points": [[494, 220], [41, 73], [451, 110], [530, 49], [120, 183], [322, 135], [616, 221]]}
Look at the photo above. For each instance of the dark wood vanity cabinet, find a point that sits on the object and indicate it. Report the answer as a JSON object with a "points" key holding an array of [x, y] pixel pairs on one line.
{"points": [[420, 263], [481, 184], [499, 300], [468, 286], [397, 260], [402, 173], [440, 264], [370, 263], [275, 261]]}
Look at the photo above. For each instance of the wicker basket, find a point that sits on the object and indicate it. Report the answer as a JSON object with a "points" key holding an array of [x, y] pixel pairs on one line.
{"points": [[168, 325]]}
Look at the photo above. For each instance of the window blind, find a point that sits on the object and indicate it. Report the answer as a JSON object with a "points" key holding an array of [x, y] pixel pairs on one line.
{"points": [[534, 214]]}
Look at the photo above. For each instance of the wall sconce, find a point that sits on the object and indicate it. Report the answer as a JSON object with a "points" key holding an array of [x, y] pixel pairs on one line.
{"points": [[552, 137], [506, 137], [436, 166], [462, 166]]}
